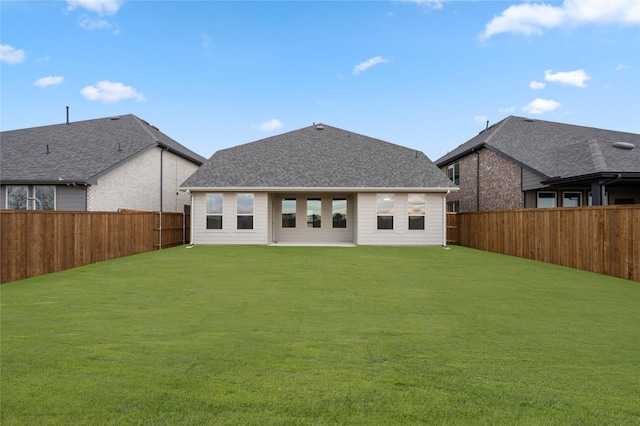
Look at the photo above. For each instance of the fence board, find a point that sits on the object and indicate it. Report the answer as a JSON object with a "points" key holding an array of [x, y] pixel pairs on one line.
{"points": [[603, 239], [40, 242]]}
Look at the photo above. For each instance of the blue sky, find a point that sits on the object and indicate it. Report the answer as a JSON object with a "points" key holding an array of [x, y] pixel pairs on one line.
{"points": [[423, 74]]}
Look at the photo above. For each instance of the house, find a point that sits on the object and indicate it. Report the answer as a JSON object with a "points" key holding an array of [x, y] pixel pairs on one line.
{"points": [[524, 163], [104, 164], [319, 185]]}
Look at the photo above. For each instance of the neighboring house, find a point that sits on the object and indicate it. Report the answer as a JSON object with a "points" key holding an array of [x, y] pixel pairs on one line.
{"points": [[522, 163], [319, 185], [105, 164]]}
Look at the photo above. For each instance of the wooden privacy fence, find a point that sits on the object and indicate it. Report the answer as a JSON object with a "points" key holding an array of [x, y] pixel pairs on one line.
{"points": [[40, 242], [605, 240]]}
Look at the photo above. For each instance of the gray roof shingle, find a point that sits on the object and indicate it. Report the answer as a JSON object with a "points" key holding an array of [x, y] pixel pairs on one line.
{"points": [[79, 151], [318, 156], [555, 149]]}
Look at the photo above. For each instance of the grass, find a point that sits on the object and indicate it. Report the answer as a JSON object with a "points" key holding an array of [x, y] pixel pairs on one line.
{"points": [[304, 335]]}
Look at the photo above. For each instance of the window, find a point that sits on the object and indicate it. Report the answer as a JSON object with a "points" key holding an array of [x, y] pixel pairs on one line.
{"points": [[416, 211], [453, 171], [453, 206], [546, 199], [245, 211], [339, 212], [47, 195], [214, 211], [17, 197], [314, 213], [288, 212], [571, 199], [605, 202], [384, 211]]}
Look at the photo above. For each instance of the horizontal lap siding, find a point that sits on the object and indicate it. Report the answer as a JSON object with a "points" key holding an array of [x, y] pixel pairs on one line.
{"points": [[326, 233], [229, 234], [368, 234]]}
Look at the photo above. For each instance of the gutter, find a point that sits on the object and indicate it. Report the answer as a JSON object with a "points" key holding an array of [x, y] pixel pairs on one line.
{"points": [[322, 189]]}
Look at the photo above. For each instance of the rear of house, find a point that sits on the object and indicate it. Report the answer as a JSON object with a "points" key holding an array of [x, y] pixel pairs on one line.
{"points": [[319, 185], [104, 164], [525, 163]]}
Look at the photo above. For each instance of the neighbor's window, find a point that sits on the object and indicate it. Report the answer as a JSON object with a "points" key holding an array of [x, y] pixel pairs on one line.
{"points": [[571, 199], [339, 212], [47, 195], [605, 202], [245, 211], [546, 199], [17, 197], [453, 171], [453, 206], [416, 210], [385, 210], [214, 211], [314, 212], [288, 212]]}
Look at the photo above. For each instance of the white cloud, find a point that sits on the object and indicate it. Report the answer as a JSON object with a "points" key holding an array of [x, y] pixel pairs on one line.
{"points": [[539, 106], [435, 4], [537, 85], [507, 110], [572, 78], [11, 55], [481, 119], [270, 125], [107, 91], [102, 7], [363, 66], [621, 67], [48, 81], [94, 24], [532, 18]]}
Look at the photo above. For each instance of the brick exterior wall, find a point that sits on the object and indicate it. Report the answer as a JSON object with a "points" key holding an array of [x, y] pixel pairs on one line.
{"points": [[135, 185], [500, 183]]}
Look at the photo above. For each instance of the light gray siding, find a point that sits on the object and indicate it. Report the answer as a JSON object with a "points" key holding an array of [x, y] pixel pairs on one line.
{"points": [[229, 234], [432, 235], [71, 198], [531, 180], [326, 234]]}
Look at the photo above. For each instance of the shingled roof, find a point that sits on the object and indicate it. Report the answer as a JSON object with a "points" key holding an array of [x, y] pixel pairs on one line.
{"points": [[80, 151], [555, 150], [318, 156]]}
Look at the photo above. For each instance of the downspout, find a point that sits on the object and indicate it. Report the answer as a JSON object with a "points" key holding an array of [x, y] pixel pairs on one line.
{"points": [[191, 214], [444, 211], [602, 189], [161, 190]]}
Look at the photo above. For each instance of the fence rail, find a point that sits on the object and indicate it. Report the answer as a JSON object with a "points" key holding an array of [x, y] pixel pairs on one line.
{"points": [[605, 239], [40, 242]]}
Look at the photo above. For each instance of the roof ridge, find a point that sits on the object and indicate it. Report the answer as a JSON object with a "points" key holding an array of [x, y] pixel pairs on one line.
{"points": [[500, 125], [596, 155], [140, 123]]}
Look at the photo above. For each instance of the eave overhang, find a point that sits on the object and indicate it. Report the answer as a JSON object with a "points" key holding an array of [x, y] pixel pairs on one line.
{"points": [[280, 189]]}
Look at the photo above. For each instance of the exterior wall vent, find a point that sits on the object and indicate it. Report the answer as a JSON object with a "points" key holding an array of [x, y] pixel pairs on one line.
{"points": [[623, 145]]}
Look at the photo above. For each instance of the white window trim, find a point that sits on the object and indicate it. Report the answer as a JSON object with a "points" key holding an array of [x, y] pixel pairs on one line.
{"points": [[423, 215], [55, 194], [252, 214], [572, 192], [393, 215], [221, 214], [555, 198]]}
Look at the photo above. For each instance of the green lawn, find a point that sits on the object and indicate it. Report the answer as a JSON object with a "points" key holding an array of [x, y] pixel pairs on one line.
{"points": [[321, 335]]}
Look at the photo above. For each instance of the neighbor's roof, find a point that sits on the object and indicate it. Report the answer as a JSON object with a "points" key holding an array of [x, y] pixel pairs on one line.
{"points": [[318, 156], [80, 151], [554, 149]]}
